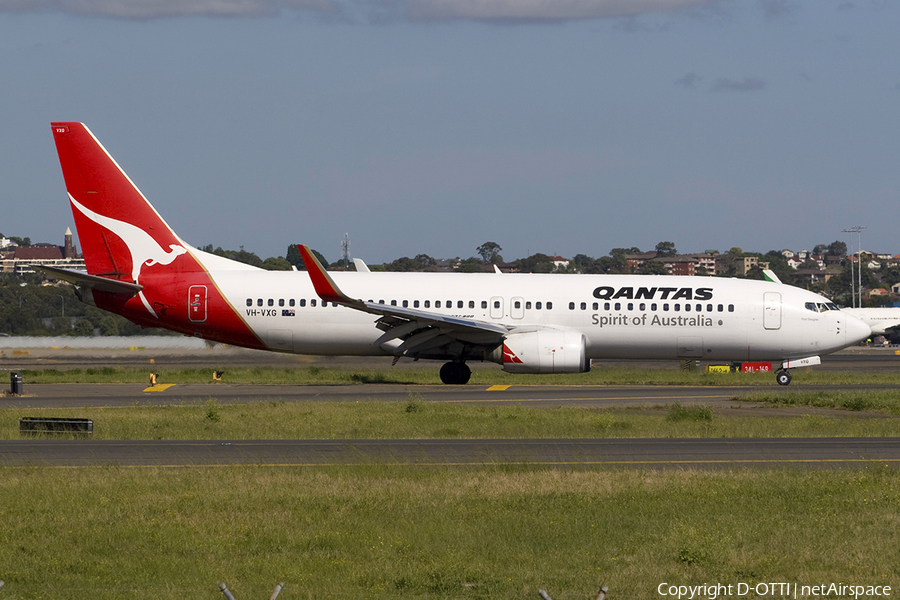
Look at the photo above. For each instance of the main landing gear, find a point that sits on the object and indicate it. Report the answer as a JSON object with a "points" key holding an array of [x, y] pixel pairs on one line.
{"points": [[783, 377], [455, 373]]}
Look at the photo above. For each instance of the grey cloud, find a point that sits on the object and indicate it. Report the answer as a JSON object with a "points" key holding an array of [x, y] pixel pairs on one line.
{"points": [[489, 11], [157, 9], [689, 80], [541, 11], [749, 84], [773, 9]]}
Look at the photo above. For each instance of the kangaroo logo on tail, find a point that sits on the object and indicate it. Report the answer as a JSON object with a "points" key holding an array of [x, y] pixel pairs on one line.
{"points": [[143, 248]]}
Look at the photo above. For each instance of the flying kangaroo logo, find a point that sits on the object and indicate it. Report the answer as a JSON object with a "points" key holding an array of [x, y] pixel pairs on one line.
{"points": [[143, 248]]}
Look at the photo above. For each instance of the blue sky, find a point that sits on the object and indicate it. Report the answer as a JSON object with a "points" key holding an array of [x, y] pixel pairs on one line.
{"points": [[431, 127]]}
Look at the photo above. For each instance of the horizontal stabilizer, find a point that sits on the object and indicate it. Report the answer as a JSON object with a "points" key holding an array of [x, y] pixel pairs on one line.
{"points": [[94, 282]]}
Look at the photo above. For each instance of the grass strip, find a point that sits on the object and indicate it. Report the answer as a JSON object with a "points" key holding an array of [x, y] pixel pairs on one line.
{"points": [[417, 418], [398, 532]]}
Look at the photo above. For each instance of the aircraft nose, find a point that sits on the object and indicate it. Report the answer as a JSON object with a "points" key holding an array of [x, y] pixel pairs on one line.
{"points": [[856, 329]]}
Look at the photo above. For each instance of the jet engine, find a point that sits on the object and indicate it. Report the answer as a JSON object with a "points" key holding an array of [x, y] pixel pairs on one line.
{"points": [[543, 351]]}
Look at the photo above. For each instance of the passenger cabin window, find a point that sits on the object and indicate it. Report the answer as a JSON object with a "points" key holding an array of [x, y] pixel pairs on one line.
{"points": [[537, 306], [281, 302], [596, 305], [571, 306], [249, 301], [406, 304], [259, 302], [731, 308], [415, 304], [471, 304], [312, 302], [302, 302], [584, 306], [428, 304], [484, 304], [618, 306], [549, 306], [496, 304], [291, 302], [437, 303], [271, 302], [393, 303], [528, 305], [459, 304]]}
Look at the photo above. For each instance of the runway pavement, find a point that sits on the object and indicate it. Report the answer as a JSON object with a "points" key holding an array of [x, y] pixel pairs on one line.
{"points": [[552, 453], [594, 396]]}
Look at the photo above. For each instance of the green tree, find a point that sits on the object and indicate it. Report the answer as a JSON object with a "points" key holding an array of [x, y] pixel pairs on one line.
{"points": [[536, 263], [470, 265], [653, 267], [83, 328], [276, 264], [108, 326], [666, 249], [837, 248], [490, 252]]}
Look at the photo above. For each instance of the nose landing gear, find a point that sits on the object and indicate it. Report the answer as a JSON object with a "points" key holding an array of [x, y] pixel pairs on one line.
{"points": [[455, 373], [783, 377]]}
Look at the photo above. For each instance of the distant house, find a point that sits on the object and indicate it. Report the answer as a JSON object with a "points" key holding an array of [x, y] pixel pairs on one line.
{"points": [[559, 262], [20, 260]]}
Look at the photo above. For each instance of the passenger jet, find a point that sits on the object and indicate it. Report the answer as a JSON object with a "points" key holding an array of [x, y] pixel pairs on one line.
{"points": [[138, 267]]}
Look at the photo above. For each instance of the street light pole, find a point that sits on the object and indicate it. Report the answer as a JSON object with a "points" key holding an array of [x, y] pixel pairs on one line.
{"points": [[855, 229]]}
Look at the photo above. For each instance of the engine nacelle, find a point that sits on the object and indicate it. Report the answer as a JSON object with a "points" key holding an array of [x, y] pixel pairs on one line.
{"points": [[543, 351]]}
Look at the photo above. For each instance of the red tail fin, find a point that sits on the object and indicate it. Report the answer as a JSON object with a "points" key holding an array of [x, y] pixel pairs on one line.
{"points": [[118, 229]]}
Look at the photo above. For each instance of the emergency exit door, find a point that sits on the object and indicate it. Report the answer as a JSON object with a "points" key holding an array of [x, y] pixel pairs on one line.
{"points": [[197, 303], [772, 310]]}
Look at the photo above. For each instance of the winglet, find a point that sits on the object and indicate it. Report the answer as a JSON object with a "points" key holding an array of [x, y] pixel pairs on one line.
{"points": [[325, 287]]}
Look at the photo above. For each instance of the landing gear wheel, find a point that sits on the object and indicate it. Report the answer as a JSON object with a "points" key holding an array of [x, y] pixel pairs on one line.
{"points": [[783, 378], [455, 373]]}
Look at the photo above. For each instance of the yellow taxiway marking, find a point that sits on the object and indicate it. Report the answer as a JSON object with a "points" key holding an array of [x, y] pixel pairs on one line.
{"points": [[159, 387], [498, 388]]}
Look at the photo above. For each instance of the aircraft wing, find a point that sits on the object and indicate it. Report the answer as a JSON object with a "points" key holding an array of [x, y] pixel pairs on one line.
{"points": [[407, 332], [94, 282]]}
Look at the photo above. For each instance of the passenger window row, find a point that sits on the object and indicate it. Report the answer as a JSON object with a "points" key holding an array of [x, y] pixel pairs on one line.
{"points": [[460, 304], [654, 306]]}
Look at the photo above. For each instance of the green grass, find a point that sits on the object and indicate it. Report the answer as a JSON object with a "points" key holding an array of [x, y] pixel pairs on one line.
{"points": [[418, 418], [481, 375], [398, 532], [887, 401]]}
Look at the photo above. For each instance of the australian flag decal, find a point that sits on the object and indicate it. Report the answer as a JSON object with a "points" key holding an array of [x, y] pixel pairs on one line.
{"points": [[287, 312]]}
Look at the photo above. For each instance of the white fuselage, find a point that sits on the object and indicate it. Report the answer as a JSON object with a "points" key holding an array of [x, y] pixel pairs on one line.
{"points": [[621, 316]]}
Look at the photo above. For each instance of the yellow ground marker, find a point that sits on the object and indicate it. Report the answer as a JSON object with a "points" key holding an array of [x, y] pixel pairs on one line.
{"points": [[159, 387], [498, 388]]}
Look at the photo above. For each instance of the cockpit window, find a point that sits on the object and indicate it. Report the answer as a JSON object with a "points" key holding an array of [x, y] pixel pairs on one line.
{"points": [[821, 306]]}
